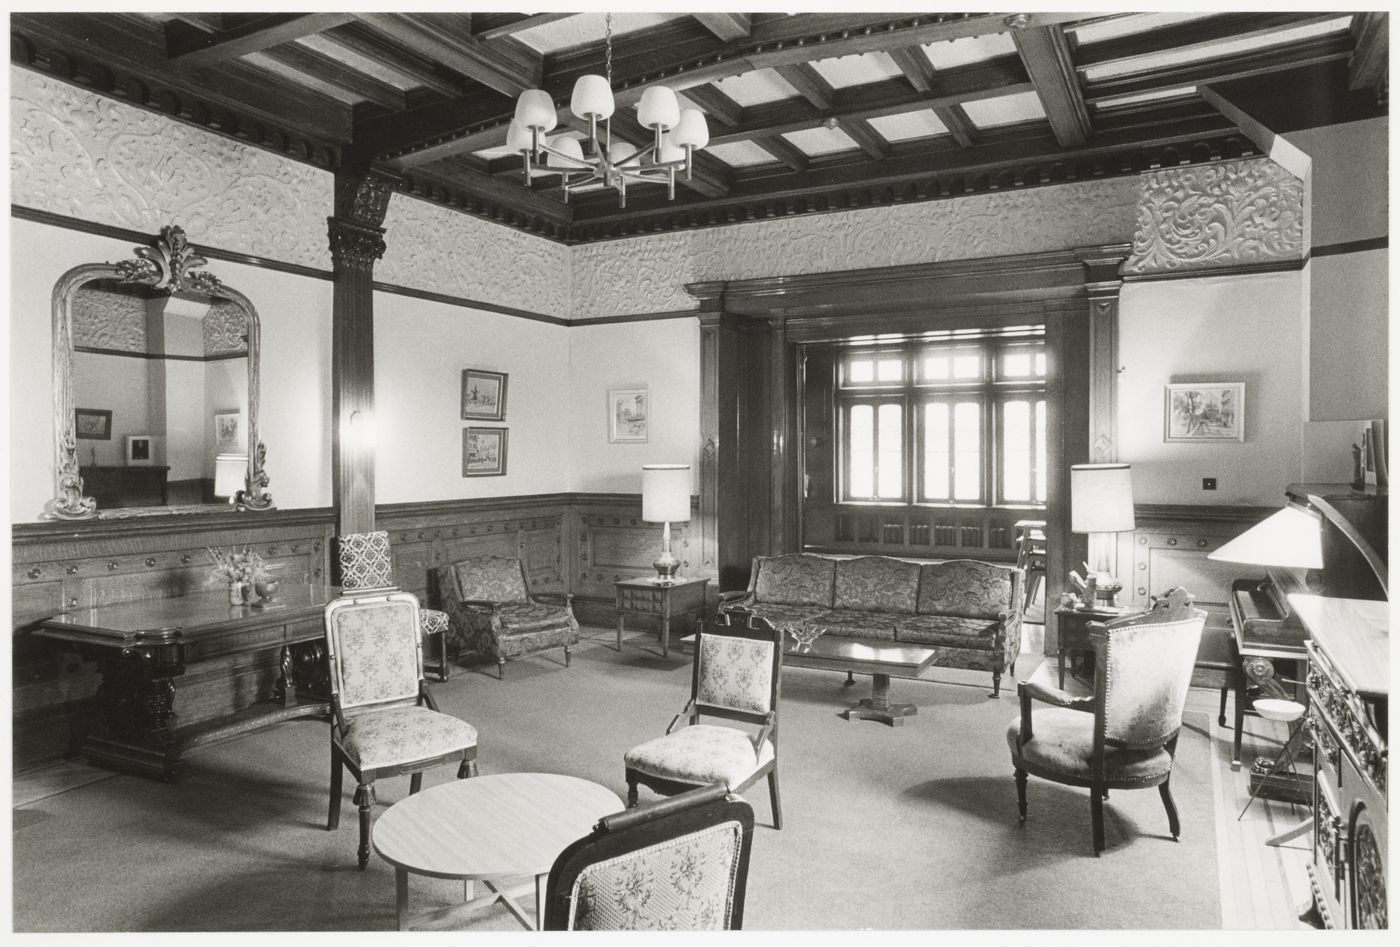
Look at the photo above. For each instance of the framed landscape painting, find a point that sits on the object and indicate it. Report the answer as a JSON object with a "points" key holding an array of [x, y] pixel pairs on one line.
{"points": [[1205, 411], [484, 451], [92, 424], [628, 411], [227, 431], [483, 395]]}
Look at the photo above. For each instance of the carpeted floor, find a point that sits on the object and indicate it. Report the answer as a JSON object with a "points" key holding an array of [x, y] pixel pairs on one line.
{"points": [[895, 828]]}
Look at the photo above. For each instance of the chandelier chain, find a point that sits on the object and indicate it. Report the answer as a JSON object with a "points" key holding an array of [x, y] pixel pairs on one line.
{"points": [[607, 66]]}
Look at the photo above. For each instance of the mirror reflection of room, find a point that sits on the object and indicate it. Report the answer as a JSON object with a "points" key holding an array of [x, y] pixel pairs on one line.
{"points": [[170, 375]]}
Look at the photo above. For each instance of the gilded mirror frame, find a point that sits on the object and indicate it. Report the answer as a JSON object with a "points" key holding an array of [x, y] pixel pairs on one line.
{"points": [[169, 265]]}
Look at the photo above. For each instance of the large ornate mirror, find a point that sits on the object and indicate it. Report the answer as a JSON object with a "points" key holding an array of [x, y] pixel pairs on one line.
{"points": [[155, 388]]}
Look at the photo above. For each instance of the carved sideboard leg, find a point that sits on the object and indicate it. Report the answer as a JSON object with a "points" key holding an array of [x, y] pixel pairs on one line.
{"points": [[285, 690], [136, 719], [311, 672]]}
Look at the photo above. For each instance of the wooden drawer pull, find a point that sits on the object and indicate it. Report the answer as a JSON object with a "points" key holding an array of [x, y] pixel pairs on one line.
{"points": [[151, 562], [72, 570], [35, 572]]}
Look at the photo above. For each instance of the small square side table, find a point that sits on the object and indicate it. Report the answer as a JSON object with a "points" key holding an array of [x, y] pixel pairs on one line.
{"points": [[642, 596], [1072, 629]]}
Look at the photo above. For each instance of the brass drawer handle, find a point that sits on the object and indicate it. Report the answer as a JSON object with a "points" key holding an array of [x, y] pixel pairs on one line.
{"points": [[272, 550], [35, 572], [112, 566], [72, 570], [72, 601], [185, 560], [151, 562]]}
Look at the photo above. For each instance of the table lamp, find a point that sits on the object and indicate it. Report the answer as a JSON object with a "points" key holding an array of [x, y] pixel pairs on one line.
{"points": [[230, 476], [1101, 502], [666, 500]]}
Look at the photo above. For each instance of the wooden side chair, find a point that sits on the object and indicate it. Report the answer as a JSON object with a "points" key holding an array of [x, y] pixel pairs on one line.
{"points": [[1123, 734], [737, 675], [385, 722], [493, 611], [681, 864], [366, 565]]}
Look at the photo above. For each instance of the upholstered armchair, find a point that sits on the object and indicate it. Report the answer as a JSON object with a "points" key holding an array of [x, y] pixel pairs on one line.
{"points": [[681, 864], [366, 565], [492, 611], [385, 722], [1123, 733], [737, 675]]}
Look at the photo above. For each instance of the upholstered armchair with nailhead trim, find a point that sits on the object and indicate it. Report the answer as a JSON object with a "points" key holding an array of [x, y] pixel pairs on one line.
{"points": [[367, 565], [493, 612]]}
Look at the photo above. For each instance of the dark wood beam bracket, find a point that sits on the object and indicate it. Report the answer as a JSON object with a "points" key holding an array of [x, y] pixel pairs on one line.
{"points": [[509, 75], [1046, 55]]}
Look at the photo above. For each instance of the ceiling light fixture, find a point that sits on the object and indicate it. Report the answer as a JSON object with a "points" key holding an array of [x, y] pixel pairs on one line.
{"points": [[593, 164]]}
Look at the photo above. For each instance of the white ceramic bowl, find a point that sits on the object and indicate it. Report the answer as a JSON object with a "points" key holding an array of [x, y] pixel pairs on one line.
{"points": [[1271, 708]]}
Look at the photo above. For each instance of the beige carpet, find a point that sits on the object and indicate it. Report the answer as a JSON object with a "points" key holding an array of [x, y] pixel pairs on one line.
{"points": [[897, 828]]}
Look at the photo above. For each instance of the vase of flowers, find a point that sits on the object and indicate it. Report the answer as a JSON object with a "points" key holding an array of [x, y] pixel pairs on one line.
{"points": [[239, 569]]}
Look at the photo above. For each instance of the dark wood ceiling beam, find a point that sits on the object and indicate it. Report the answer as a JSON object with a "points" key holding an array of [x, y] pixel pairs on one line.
{"points": [[809, 84], [862, 133], [430, 35], [192, 46], [780, 148], [1046, 55], [1192, 35], [334, 73], [495, 25], [727, 26], [458, 172], [1369, 63], [1224, 69], [716, 104], [921, 75], [360, 39], [709, 176]]}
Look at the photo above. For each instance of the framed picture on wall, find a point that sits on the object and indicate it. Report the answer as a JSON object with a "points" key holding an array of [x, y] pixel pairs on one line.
{"points": [[483, 395], [228, 431], [629, 411], [140, 452], [1205, 411], [484, 451], [92, 424]]}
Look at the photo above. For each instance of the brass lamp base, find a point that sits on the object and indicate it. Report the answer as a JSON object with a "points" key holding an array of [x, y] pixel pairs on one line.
{"points": [[666, 564]]}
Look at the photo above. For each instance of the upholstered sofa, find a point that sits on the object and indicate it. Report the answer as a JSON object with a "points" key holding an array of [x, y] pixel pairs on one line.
{"points": [[966, 610]]}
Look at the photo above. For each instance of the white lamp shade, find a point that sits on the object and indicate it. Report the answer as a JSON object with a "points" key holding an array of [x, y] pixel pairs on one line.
{"points": [[591, 97], [620, 152], [518, 137], [535, 109], [567, 146], [1101, 498], [666, 493], [230, 474], [669, 150], [659, 108], [1289, 539], [691, 129]]}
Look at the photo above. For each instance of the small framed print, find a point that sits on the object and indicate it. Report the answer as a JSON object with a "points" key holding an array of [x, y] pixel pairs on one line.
{"points": [[139, 450], [628, 413], [92, 424], [1205, 411], [228, 432], [483, 395], [484, 451]]}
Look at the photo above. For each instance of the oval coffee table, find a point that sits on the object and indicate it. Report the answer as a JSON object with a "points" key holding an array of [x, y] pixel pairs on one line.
{"points": [[485, 828]]}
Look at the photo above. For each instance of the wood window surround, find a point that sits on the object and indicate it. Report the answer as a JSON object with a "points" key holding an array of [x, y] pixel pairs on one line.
{"points": [[781, 382]]}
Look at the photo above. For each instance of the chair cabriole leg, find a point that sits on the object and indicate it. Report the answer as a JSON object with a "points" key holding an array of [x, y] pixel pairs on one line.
{"points": [[1173, 821], [1021, 794]]}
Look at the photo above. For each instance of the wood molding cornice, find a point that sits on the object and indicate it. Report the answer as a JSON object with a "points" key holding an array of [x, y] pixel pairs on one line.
{"points": [[1174, 513], [173, 524]]}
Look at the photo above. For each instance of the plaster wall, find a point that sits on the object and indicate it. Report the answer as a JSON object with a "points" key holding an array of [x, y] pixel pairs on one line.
{"points": [[115, 383]]}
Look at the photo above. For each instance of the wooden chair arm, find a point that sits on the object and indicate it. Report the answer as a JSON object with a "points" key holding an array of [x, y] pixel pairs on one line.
{"points": [[479, 603], [553, 598], [1043, 686], [425, 696], [687, 711], [764, 732], [729, 598]]}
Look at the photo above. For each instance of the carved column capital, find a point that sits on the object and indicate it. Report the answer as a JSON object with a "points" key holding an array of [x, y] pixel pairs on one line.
{"points": [[356, 231], [354, 245]]}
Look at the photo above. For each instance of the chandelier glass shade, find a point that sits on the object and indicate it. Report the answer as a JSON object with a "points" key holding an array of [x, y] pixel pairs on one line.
{"points": [[595, 162]]}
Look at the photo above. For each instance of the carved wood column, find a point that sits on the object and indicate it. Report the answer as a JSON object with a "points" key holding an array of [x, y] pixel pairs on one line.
{"points": [[724, 495], [782, 425], [356, 240]]}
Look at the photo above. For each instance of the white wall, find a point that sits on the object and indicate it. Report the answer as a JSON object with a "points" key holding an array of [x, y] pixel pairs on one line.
{"points": [[420, 350], [296, 321], [663, 356], [115, 383], [1227, 328]]}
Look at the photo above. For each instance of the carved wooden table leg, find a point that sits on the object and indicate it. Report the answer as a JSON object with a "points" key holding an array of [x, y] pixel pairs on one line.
{"points": [[311, 673], [285, 690], [878, 707], [136, 721]]}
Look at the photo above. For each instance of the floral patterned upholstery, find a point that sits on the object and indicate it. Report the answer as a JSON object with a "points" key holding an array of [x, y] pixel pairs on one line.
{"points": [[433, 621], [794, 580], [490, 579], [876, 626], [376, 650], [735, 673], [967, 588], [365, 562], [1062, 749], [681, 884], [877, 584], [978, 633], [781, 616], [375, 739], [700, 754]]}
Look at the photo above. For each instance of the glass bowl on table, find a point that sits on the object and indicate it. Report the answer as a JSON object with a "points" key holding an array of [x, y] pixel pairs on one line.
{"points": [[804, 634]]}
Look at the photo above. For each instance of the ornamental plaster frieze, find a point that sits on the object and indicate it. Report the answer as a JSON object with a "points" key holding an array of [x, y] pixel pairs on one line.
{"points": [[112, 321], [1228, 214], [226, 329], [439, 250], [82, 155], [648, 274]]}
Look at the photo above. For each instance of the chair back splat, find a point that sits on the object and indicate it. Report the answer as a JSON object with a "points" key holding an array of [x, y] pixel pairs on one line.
{"points": [[375, 650], [678, 864]]}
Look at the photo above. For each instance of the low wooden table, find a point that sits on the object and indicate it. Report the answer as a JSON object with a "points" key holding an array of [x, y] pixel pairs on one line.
{"points": [[486, 829], [642, 596], [876, 658]]}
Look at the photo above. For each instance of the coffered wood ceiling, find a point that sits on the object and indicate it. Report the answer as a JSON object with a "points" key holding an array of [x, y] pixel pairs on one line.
{"points": [[808, 112]]}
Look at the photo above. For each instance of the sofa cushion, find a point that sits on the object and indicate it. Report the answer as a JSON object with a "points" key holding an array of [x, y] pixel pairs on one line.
{"points": [[949, 631], [965, 587], [877, 584], [795, 580], [874, 625]]}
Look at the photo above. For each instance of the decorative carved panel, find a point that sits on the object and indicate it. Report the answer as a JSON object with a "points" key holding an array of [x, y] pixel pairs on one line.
{"points": [[648, 274], [83, 155], [115, 321], [225, 329], [1233, 213], [442, 251]]}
